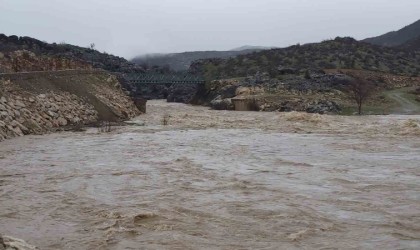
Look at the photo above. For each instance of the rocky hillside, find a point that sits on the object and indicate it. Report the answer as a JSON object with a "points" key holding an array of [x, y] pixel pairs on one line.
{"points": [[313, 92], [397, 38], [182, 61], [35, 103], [61, 54], [332, 54]]}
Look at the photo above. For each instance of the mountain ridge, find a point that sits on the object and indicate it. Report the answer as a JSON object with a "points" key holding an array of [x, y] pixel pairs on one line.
{"points": [[397, 38], [340, 53]]}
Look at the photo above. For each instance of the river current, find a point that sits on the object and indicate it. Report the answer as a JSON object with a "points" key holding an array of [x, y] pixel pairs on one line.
{"points": [[217, 180]]}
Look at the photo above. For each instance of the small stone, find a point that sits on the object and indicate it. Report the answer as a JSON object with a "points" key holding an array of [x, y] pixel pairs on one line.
{"points": [[61, 121], [58, 98], [51, 113]]}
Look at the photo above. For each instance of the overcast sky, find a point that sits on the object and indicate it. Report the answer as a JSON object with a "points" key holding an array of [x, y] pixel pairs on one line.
{"points": [[131, 27]]}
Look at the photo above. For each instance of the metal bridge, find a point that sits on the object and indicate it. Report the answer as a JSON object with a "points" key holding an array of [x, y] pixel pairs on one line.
{"points": [[155, 78]]}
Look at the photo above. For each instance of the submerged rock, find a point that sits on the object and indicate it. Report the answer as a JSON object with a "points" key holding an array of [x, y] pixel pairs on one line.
{"points": [[222, 104], [10, 243]]}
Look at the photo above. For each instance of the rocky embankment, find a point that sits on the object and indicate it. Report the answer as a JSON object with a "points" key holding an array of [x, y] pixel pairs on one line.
{"points": [[39, 102], [312, 96], [316, 92]]}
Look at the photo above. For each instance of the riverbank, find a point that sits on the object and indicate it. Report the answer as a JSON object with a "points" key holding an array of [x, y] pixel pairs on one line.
{"points": [[41, 102]]}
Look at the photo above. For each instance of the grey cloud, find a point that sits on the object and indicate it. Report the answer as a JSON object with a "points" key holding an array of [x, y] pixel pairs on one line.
{"points": [[131, 27]]}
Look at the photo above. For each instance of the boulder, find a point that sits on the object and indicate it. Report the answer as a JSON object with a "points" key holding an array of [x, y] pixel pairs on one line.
{"points": [[61, 121], [222, 104], [228, 91], [322, 107], [20, 104], [243, 91]]}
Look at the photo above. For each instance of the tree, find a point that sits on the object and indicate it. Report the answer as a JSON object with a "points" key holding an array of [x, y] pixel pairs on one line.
{"points": [[359, 90]]}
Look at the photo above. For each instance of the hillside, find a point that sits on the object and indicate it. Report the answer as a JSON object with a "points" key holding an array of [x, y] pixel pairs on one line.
{"points": [[411, 45], [396, 38], [332, 54], [53, 54], [182, 61]]}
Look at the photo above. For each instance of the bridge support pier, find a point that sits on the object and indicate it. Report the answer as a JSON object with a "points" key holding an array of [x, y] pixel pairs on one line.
{"points": [[141, 104]]}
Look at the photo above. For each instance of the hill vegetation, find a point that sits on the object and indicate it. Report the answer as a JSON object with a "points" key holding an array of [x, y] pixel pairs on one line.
{"points": [[411, 45], [340, 53], [55, 53]]}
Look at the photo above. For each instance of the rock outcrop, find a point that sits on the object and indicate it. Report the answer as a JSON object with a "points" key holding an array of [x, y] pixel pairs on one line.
{"points": [[36, 103], [60, 56], [27, 61]]}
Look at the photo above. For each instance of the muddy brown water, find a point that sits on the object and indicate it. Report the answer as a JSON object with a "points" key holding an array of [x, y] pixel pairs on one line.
{"points": [[217, 180]]}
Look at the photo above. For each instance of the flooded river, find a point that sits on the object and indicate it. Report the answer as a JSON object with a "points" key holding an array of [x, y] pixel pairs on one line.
{"points": [[217, 180]]}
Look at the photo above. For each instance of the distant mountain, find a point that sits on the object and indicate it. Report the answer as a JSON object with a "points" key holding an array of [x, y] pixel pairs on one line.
{"points": [[250, 47], [340, 53], [182, 61], [397, 38], [10, 45]]}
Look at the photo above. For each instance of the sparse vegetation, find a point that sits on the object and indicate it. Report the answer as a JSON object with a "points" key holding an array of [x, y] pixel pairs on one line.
{"points": [[56, 52], [359, 90], [165, 119], [340, 53]]}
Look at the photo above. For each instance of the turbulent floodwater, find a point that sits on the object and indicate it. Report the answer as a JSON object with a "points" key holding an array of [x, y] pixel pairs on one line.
{"points": [[217, 180]]}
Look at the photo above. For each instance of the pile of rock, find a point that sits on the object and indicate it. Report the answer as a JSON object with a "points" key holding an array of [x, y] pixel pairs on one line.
{"points": [[31, 111], [36, 114]]}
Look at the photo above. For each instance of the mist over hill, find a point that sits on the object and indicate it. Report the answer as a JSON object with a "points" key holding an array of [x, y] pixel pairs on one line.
{"points": [[182, 61]]}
